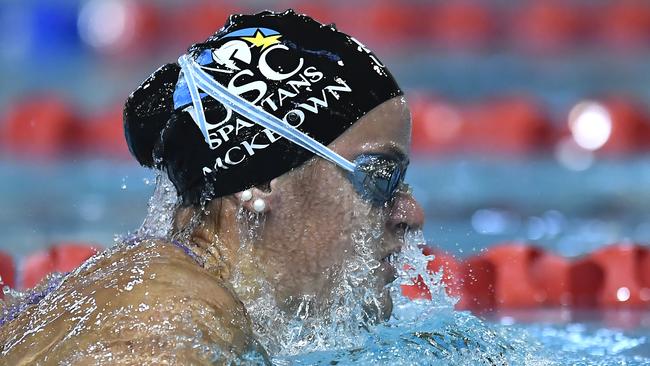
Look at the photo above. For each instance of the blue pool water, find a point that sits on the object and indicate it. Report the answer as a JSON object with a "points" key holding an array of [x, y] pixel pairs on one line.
{"points": [[460, 339]]}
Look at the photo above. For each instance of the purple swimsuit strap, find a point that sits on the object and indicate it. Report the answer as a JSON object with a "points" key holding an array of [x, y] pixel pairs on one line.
{"points": [[34, 298], [138, 239], [200, 261]]}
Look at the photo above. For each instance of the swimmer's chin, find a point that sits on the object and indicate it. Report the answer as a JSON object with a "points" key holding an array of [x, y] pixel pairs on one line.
{"points": [[388, 305], [386, 275], [387, 271], [381, 310]]}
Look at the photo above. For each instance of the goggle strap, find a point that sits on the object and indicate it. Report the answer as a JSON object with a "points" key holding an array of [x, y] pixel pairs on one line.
{"points": [[196, 78], [197, 104]]}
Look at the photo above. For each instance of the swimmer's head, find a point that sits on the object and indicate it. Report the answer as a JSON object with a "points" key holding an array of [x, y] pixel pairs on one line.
{"points": [[307, 74], [317, 214]]}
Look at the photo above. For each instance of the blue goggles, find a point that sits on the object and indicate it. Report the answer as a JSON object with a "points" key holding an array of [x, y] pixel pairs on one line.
{"points": [[375, 177]]}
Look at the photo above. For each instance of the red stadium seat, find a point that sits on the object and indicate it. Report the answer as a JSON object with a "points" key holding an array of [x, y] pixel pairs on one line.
{"points": [[620, 264], [60, 258], [548, 25], [7, 272], [516, 275], [384, 23], [134, 31], [322, 12], [644, 267], [626, 24], [389, 22], [478, 282], [507, 125], [643, 274], [549, 273], [41, 126], [461, 24], [144, 31], [69, 256], [630, 127], [104, 134], [585, 282], [438, 126], [514, 286], [35, 267], [197, 21]]}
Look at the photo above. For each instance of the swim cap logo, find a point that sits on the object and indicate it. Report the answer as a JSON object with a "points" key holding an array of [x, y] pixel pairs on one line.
{"points": [[261, 40], [253, 63]]}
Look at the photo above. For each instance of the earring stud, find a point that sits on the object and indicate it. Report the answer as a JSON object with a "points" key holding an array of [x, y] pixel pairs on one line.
{"points": [[246, 195], [259, 205]]}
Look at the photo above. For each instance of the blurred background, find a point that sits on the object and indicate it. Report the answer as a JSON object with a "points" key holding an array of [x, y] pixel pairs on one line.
{"points": [[530, 117]]}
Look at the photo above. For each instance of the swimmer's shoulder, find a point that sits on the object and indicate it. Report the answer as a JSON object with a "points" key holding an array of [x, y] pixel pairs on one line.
{"points": [[171, 270], [178, 287], [143, 303], [156, 271], [172, 291]]}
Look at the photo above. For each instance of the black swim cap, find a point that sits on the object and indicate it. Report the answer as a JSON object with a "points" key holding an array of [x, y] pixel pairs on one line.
{"points": [[310, 75]]}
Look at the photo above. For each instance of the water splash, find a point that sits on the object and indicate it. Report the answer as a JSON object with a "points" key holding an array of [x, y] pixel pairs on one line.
{"points": [[160, 214], [418, 332]]}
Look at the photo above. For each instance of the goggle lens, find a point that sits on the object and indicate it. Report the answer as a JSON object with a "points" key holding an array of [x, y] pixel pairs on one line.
{"points": [[377, 177]]}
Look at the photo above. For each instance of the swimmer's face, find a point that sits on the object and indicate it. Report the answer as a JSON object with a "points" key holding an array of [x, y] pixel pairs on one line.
{"points": [[317, 222]]}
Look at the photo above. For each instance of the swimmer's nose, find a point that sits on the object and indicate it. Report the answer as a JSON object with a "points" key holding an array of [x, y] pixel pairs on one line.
{"points": [[405, 213]]}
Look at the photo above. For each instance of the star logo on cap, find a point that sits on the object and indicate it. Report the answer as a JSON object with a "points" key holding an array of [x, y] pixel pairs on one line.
{"points": [[260, 40]]}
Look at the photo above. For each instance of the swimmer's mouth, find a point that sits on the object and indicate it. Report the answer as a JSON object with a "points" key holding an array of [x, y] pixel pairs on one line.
{"points": [[387, 264], [390, 258], [391, 255]]}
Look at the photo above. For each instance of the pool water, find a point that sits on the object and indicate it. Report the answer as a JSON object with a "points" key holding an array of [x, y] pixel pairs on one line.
{"points": [[448, 338]]}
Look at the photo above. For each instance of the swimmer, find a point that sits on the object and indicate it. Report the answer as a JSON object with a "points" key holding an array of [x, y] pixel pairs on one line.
{"points": [[286, 142]]}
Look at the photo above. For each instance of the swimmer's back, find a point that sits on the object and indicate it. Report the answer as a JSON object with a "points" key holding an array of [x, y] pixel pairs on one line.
{"points": [[146, 304]]}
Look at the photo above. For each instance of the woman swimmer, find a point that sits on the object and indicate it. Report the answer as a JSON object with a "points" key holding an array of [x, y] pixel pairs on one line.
{"points": [[287, 142]]}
